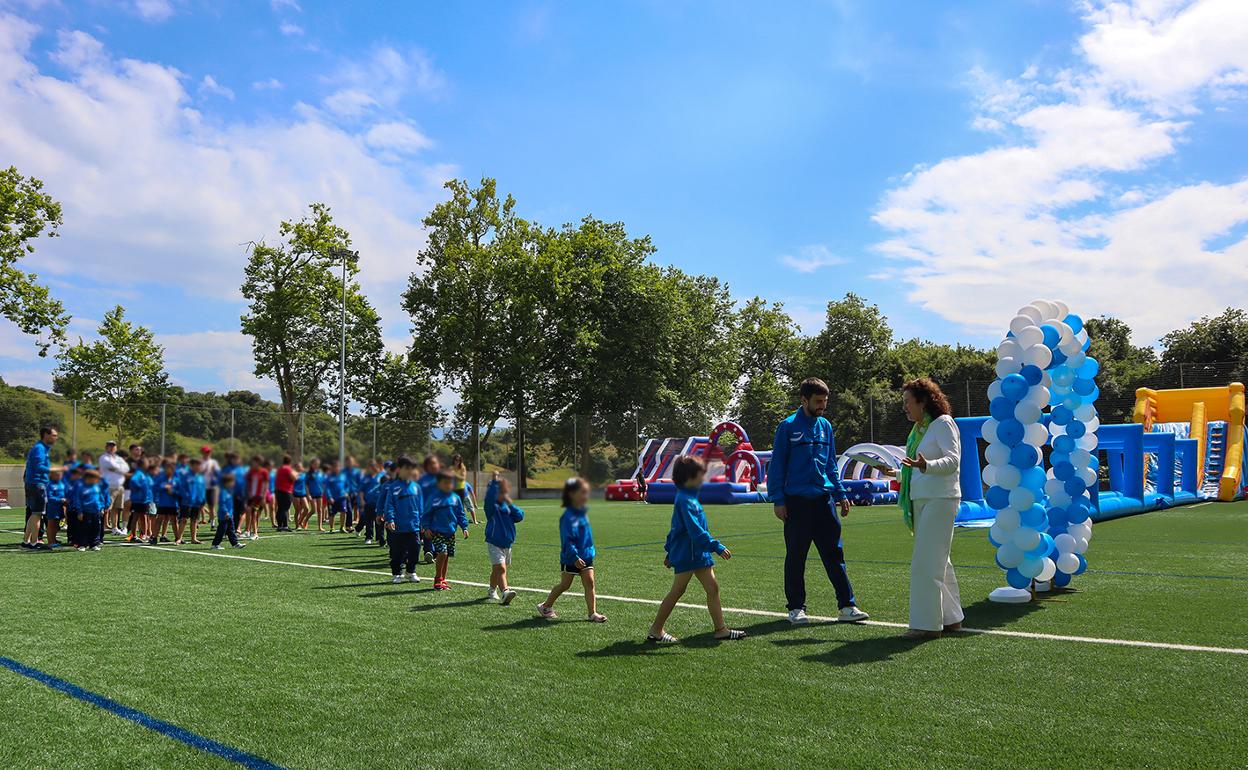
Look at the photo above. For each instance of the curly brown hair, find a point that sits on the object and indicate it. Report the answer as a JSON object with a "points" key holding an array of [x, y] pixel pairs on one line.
{"points": [[927, 392]]}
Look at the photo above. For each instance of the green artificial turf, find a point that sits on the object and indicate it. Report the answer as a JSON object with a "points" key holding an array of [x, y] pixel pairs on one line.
{"points": [[316, 668]]}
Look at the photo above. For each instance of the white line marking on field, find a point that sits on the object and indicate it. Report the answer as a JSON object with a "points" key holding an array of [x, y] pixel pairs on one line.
{"points": [[745, 611]]}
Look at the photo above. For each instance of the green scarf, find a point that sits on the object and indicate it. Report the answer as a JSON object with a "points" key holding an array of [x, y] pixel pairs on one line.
{"points": [[917, 432]]}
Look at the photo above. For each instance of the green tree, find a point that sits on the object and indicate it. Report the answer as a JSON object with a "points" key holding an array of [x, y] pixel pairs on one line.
{"points": [[850, 354], [294, 316], [118, 378], [453, 294], [26, 212], [403, 398], [769, 346], [1217, 339]]}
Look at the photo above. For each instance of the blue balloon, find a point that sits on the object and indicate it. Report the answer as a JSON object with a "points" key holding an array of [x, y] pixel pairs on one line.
{"points": [[997, 559], [1059, 358], [1034, 479], [1034, 517], [1076, 429], [1061, 415], [1016, 579], [1063, 471], [1064, 444], [1061, 579], [1074, 322], [1056, 457], [1089, 369], [998, 498], [1083, 387], [1093, 396], [1002, 408], [1024, 456], [1086, 344], [1044, 549], [1011, 432], [1014, 387], [994, 542], [1083, 564], [1077, 513], [1051, 335], [1032, 374], [1074, 486]]}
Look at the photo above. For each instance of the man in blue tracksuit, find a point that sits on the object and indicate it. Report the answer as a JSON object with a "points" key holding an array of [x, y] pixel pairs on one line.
{"points": [[803, 484], [402, 508], [38, 464]]}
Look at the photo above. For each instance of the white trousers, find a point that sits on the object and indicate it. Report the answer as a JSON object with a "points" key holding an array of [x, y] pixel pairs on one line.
{"points": [[934, 598]]}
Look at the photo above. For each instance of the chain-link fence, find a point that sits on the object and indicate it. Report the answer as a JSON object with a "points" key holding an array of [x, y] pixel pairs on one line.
{"points": [[546, 451]]}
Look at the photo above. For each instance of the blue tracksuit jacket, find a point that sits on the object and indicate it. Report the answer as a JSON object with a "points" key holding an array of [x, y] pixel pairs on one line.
{"points": [[501, 519], [803, 460], [444, 511], [576, 537], [689, 543]]}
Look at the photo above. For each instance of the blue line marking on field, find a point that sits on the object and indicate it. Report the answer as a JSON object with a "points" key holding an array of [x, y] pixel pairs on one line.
{"points": [[194, 740]]}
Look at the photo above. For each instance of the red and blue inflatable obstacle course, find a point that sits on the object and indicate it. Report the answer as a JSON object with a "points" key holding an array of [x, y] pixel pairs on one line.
{"points": [[736, 472]]}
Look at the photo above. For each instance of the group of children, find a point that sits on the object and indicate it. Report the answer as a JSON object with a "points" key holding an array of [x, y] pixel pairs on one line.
{"points": [[408, 506]]}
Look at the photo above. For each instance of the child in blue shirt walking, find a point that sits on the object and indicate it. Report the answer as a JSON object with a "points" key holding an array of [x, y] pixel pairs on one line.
{"points": [[225, 515], [336, 491], [690, 552], [402, 507], [56, 505], [576, 553], [444, 512], [501, 518]]}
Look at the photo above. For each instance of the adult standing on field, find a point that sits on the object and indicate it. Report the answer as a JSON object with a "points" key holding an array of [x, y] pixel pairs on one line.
{"points": [[113, 469], [930, 495], [35, 479], [805, 489], [212, 482]]}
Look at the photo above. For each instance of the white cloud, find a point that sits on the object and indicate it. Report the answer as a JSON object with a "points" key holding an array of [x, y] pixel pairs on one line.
{"points": [[271, 84], [152, 186], [153, 10], [381, 80], [811, 258], [226, 353], [1070, 203], [285, 5], [210, 87], [290, 30], [349, 103], [397, 136]]}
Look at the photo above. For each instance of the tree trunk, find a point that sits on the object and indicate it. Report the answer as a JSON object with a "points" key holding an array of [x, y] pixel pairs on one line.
{"points": [[583, 430], [520, 472], [473, 440], [292, 434]]}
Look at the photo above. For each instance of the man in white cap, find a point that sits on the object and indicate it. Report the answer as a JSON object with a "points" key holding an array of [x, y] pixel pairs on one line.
{"points": [[113, 469]]}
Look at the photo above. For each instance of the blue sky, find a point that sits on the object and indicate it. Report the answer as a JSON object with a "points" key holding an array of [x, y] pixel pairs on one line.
{"points": [[950, 162]]}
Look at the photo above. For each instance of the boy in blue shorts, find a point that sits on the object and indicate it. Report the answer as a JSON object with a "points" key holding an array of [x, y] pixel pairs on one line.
{"points": [[690, 552], [165, 485], [140, 487], [192, 495], [402, 509], [72, 485], [55, 512], [444, 512], [92, 500], [225, 514], [336, 491]]}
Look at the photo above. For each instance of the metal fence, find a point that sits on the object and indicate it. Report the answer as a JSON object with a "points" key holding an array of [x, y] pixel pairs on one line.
{"points": [[550, 451]]}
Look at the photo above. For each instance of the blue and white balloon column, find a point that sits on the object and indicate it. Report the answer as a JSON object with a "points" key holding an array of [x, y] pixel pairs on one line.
{"points": [[1043, 520]]}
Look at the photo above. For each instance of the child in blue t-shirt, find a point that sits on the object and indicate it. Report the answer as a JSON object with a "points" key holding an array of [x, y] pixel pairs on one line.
{"points": [[336, 491], [576, 552], [444, 512], [501, 518], [225, 514], [691, 552], [55, 512]]}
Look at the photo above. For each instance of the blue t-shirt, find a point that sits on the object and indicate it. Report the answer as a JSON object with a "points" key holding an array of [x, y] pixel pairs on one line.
{"points": [[576, 537], [38, 464], [301, 485], [689, 543]]}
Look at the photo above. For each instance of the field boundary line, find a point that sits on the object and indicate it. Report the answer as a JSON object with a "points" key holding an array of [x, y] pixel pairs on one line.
{"points": [[745, 610], [167, 729]]}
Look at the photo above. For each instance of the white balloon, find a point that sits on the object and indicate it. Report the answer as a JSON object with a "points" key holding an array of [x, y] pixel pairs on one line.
{"points": [[1067, 561], [1081, 545], [1009, 348], [1080, 458], [1092, 425], [1047, 570], [1046, 380], [1060, 498], [1026, 412], [1022, 498], [1008, 477], [1081, 530], [1036, 434], [1077, 359], [1065, 543], [1030, 336], [1038, 355], [1038, 395], [1082, 336], [1085, 412], [1031, 567], [1053, 487], [989, 474], [997, 454], [1032, 312], [1020, 322], [1087, 476], [1069, 347], [1008, 520], [1045, 309], [1009, 555], [1026, 539], [1061, 310], [1008, 366], [994, 390], [1087, 441], [989, 431], [1064, 331]]}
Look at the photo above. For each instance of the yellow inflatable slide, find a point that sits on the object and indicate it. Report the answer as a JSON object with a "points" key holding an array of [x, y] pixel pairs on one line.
{"points": [[1216, 419]]}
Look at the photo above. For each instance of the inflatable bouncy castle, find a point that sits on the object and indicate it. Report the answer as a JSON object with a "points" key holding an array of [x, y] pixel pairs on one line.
{"points": [[736, 473]]}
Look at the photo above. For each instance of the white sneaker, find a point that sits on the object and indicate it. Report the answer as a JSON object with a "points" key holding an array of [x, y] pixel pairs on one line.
{"points": [[95, 548], [508, 595], [368, 541], [492, 595], [218, 548], [412, 576], [851, 614], [798, 617], [123, 531], [397, 579]]}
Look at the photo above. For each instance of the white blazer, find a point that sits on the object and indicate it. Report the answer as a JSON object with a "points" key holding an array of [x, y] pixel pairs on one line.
{"points": [[942, 447]]}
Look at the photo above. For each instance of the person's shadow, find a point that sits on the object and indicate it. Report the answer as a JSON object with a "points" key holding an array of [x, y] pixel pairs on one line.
{"points": [[643, 647], [447, 605]]}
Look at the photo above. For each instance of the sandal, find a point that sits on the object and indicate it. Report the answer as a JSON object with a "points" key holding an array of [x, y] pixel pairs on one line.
{"points": [[732, 635], [664, 638], [597, 617]]}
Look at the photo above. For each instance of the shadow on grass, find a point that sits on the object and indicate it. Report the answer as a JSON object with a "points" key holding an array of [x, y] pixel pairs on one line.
{"points": [[396, 592], [448, 605], [631, 648], [987, 615], [695, 641], [521, 625], [352, 585], [859, 651]]}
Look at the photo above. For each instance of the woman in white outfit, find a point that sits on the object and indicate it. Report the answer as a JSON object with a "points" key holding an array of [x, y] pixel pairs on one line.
{"points": [[930, 495]]}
